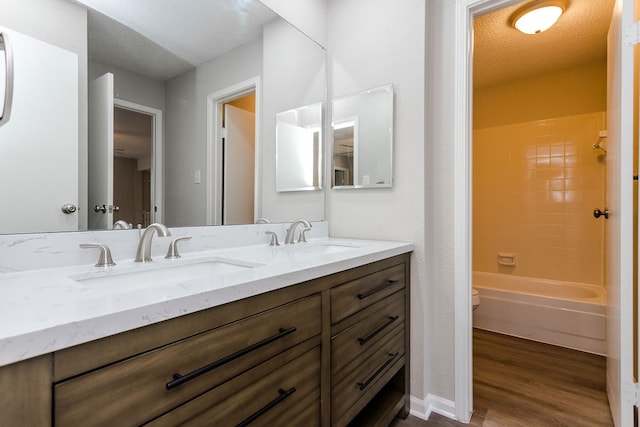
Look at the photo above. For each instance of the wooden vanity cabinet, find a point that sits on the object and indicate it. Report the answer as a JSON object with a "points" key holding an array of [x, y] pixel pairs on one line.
{"points": [[369, 335], [332, 351]]}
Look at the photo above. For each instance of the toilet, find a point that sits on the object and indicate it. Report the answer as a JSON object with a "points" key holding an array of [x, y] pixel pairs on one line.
{"points": [[475, 298]]}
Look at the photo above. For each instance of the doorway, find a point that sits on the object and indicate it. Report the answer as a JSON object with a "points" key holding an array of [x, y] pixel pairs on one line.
{"points": [[619, 119], [103, 129], [133, 154], [238, 160], [538, 162], [233, 154]]}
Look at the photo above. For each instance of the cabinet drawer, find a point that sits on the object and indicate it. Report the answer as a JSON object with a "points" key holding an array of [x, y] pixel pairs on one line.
{"points": [[290, 395], [143, 387], [353, 296], [382, 319], [366, 372]]}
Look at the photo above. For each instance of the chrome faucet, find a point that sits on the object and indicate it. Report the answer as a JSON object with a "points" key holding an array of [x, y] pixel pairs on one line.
{"points": [[122, 224], [291, 231], [143, 254]]}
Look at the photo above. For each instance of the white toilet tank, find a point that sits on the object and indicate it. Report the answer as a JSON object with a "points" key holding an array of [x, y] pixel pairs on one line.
{"points": [[475, 298]]}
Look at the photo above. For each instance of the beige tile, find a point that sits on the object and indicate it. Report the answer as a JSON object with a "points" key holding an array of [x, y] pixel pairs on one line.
{"points": [[544, 174]]}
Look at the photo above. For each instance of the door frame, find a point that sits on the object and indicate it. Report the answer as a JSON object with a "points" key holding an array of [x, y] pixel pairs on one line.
{"points": [[215, 105], [157, 199], [465, 11]]}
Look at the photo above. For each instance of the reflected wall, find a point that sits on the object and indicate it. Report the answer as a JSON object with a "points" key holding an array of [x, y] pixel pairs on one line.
{"points": [[294, 75]]}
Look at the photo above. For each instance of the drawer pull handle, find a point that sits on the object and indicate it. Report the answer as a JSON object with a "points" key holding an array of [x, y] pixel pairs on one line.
{"points": [[363, 385], [377, 289], [363, 340], [181, 379], [283, 395]]}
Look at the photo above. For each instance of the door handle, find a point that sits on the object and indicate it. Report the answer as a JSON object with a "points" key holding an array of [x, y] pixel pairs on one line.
{"points": [[69, 208], [105, 208], [5, 45], [597, 213]]}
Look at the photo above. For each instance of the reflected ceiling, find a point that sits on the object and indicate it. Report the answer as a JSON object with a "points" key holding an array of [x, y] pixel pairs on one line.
{"points": [[185, 33]]}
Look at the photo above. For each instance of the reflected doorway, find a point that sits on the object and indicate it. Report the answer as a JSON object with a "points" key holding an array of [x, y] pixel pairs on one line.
{"points": [[133, 154], [238, 160], [234, 154], [128, 130]]}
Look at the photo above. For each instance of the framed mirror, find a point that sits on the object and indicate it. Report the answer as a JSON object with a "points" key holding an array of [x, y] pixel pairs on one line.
{"points": [[362, 139], [164, 62], [299, 148]]}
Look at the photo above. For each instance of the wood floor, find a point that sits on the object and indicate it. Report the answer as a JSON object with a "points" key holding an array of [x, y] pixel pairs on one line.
{"points": [[521, 383]]}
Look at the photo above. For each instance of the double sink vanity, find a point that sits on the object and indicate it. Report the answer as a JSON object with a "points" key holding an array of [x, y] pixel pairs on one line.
{"points": [[233, 332]]}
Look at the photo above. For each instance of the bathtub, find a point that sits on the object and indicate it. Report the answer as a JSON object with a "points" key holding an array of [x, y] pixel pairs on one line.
{"points": [[567, 314]]}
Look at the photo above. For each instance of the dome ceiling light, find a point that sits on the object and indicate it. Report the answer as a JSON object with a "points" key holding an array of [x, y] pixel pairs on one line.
{"points": [[538, 16]]}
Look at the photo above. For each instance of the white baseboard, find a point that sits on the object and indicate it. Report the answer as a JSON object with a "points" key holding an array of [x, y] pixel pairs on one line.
{"points": [[422, 408], [418, 408]]}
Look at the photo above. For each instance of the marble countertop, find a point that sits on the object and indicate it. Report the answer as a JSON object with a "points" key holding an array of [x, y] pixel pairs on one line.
{"points": [[49, 309]]}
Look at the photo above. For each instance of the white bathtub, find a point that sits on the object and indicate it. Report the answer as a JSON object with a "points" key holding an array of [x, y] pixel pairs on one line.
{"points": [[567, 314]]}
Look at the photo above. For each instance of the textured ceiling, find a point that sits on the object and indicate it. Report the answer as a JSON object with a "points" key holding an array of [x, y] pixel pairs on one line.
{"points": [[502, 54], [163, 38]]}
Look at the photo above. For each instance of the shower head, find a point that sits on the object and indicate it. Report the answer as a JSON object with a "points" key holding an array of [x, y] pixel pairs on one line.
{"points": [[601, 135]]}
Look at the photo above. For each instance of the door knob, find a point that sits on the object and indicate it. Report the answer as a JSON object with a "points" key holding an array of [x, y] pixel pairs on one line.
{"points": [[98, 208], [68, 208], [597, 213]]}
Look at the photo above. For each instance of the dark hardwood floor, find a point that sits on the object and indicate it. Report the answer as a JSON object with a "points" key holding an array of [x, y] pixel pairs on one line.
{"points": [[521, 383]]}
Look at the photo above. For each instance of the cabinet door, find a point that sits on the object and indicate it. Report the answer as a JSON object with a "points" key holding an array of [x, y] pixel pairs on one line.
{"points": [[26, 395], [39, 144]]}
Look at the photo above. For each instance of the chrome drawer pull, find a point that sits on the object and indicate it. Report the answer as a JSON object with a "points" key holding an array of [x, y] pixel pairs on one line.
{"points": [[363, 340], [251, 418], [181, 379], [377, 289], [363, 385]]}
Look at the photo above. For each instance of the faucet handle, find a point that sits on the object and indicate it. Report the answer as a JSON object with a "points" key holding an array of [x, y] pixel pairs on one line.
{"points": [[105, 259], [173, 247], [274, 238], [303, 238]]}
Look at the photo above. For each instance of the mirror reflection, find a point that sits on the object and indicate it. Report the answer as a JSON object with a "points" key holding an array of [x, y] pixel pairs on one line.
{"points": [[163, 66], [298, 148], [362, 133], [133, 151]]}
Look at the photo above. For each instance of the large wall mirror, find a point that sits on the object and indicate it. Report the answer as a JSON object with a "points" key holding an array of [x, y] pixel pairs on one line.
{"points": [[140, 74], [362, 128]]}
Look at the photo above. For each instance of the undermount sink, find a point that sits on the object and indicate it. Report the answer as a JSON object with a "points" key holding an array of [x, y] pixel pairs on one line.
{"points": [[320, 249], [163, 273]]}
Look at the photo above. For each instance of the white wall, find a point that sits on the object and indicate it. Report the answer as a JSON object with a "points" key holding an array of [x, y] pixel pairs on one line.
{"points": [[372, 43], [186, 128], [63, 24], [439, 179]]}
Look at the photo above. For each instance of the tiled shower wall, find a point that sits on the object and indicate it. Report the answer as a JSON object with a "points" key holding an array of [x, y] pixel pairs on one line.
{"points": [[535, 186]]}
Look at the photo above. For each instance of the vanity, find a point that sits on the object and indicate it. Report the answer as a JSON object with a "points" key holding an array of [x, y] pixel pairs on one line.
{"points": [[302, 334], [235, 332]]}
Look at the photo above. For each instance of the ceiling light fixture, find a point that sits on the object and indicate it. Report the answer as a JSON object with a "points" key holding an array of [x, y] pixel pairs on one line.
{"points": [[538, 16]]}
